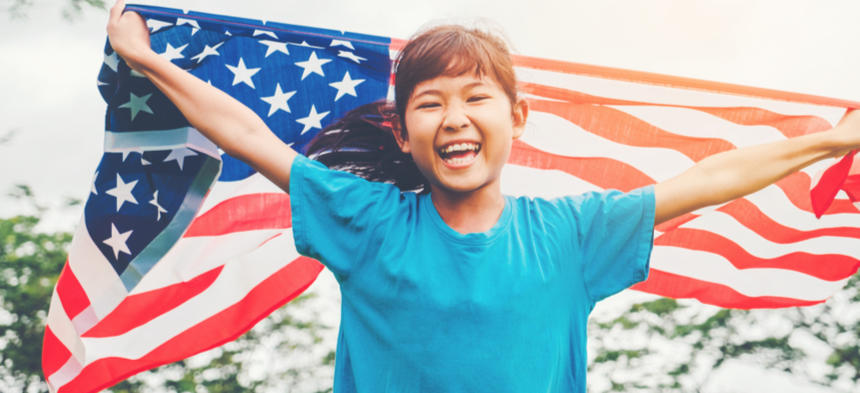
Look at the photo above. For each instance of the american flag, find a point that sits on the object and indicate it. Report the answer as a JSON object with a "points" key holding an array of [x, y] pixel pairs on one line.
{"points": [[182, 248]]}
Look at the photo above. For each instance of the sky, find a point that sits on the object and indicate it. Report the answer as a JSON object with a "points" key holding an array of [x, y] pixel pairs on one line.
{"points": [[51, 115]]}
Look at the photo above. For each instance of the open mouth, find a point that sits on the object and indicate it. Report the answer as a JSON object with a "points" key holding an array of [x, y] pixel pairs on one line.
{"points": [[458, 154]]}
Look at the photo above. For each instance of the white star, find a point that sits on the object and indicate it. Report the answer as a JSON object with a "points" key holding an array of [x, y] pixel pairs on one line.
{"points": [[346, 86], [265, 32], [144, 162], [179, 155], [122, 192], [241, 74], [207, 51], [100, 83], [312, 64], [112, 61], [275, 46], [347, 44], [278, 101], [93, 189], [170, 53], [312, 120], [227, 32], [158, 208], [117, 241], [352, 56], [136, 104], [190, 22], [156, 25], [306, 45]]}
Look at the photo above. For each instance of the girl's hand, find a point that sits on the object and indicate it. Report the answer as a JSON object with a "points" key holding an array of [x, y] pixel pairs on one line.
{"points": [[128, 34]]}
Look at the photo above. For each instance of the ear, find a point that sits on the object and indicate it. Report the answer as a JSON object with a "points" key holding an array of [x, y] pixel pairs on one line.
{"points": [[520, 114], [400, 134]]}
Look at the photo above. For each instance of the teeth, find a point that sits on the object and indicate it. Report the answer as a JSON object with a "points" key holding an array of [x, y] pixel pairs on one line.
{"points": [[459, 147]]}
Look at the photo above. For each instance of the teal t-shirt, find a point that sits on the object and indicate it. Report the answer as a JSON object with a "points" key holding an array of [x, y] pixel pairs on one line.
{"points": [[427, 309]]}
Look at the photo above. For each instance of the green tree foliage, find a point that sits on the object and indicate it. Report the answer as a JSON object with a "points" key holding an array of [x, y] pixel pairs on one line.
{"points": [[30, 262], [665, 345], [72, 9], [285, 352]]}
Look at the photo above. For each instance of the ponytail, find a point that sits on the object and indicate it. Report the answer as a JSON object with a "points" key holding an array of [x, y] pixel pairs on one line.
{"points": [[362, 143]]}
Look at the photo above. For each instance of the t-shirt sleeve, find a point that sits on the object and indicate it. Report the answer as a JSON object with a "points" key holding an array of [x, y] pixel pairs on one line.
{"points": [[338, 218], [614, 232]]}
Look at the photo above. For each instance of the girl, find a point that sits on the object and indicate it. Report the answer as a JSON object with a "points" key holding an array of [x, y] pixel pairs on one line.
{"points": [[460, 288]]}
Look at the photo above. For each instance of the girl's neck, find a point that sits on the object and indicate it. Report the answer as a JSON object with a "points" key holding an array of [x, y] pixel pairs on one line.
{"points": [[472, 212]]}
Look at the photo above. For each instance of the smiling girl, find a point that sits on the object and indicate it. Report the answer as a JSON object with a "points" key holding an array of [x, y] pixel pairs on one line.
{"points": [[460, 288]]}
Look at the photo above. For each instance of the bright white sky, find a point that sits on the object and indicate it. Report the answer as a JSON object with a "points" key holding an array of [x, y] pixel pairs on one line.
{"points": [[52, 114]]}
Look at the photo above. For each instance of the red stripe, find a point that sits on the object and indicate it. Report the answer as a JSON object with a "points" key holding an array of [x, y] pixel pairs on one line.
{"points": [[627, 129], [751, 217], [830, 267], [54, 353], [138, 309], [244, 213], [788, 125], [71, 293], [602, 172], [675, 222], [683, 287], [796, 187], [225, 326], [832, 180]]}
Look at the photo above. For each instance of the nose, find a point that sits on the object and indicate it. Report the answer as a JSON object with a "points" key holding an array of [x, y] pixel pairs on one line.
{"points": [[455, 118]]}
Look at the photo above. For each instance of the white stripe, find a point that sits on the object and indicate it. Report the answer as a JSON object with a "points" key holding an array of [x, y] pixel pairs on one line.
{"points": [[224, 190], [727, 227], [773, 202], [238, 278], [556, 135], [713, 268], [63, 328], [525, 181], [648, 93], [698, 124], [64, 374], [193, 256], [95, 274]]}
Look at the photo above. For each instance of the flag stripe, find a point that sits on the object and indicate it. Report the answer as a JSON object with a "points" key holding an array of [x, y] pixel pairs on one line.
{"points": [[620, 127], [138, 309], [244, 213], [754, 282], [787, 125], [69, 290], [753, 218], [682, 287], [226, 325], [54, 353], [837, 266]]}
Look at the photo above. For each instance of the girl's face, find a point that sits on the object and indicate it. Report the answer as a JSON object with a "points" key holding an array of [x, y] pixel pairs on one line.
{"points": [[460, 130]]}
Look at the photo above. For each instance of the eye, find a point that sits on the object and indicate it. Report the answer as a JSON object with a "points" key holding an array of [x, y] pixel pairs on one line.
{"points": [[427, 105], [477, 98]]}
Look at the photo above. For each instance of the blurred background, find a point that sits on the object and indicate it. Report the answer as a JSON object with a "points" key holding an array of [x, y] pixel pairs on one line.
{"points": [[51, 123]]}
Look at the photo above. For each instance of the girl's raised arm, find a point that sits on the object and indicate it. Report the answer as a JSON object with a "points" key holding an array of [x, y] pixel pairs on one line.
{"points": [[732, 174], [228, 123]]}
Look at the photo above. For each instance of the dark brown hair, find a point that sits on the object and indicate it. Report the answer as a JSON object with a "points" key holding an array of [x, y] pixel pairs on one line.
{"points": [[362, 141], [452, 50]]}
